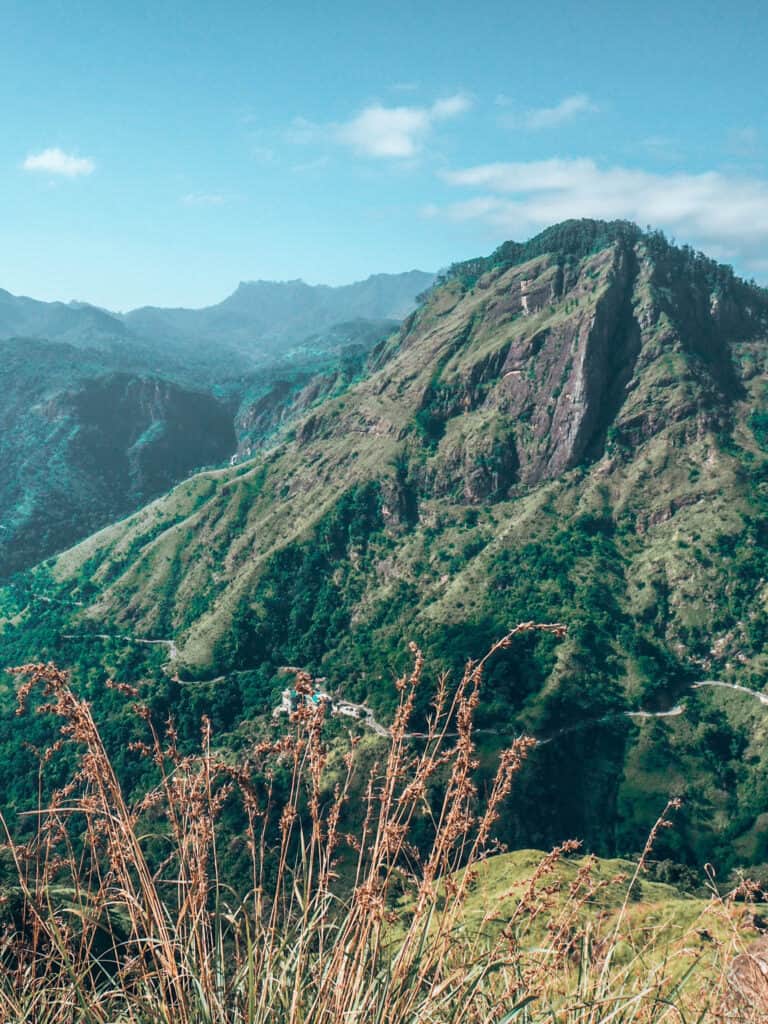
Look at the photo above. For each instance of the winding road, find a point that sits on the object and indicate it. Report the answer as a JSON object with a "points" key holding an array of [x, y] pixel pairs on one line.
{"points": [[367, 718], [173, 651], [762, 697]]}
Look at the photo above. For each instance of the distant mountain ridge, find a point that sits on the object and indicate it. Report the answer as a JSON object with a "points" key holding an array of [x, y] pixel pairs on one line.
{"points": [[267, 317], [259, 320], [80, 325]]}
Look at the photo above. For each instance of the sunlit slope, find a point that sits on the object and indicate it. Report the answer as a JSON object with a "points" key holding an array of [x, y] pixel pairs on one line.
{"points": [[605, 384]]}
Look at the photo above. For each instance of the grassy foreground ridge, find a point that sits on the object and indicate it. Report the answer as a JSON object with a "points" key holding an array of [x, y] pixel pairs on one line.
{"points": [[118, 912]]}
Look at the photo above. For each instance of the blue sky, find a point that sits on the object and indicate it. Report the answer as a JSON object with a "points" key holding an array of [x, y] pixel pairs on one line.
{"points": [[158, 153]]}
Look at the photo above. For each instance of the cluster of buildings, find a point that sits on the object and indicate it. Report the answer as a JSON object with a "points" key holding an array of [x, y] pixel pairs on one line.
{"points": [[292, 700]]}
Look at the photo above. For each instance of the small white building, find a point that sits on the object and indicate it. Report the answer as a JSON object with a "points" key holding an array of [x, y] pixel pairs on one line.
{"points": [[350, 710]]}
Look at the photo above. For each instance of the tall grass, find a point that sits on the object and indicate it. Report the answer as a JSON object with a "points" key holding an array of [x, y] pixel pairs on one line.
{"points": [[120, 913]]}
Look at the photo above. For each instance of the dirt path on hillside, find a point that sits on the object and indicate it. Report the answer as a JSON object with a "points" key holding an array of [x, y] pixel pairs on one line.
{"points": [[173, 651]]}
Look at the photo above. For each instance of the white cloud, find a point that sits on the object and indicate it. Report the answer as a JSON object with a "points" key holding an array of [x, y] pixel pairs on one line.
{"points": [[450, 107], [396, 132], [570, 107], [385, 131], [538, 118], [709, 208], [56, 161]]}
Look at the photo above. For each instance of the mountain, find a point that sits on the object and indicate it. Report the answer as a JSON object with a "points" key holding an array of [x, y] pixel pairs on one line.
{"points": [[101, 413], [83, 444], [82, 326], [261, 323], [574, 429], [268, 318]]}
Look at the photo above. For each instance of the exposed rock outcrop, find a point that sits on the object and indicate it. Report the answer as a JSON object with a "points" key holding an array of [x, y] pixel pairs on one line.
{"points": [[746, 1001]]}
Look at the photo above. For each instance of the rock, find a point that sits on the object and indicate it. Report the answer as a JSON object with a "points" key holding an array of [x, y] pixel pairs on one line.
{"points": [[747, 995]]}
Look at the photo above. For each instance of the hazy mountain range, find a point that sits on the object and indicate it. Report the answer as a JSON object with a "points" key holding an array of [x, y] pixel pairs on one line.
{"points": [[260, 321]]}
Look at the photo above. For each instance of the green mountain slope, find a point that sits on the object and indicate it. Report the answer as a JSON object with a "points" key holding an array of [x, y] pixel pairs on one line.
{"points": [[574, 429], [81, 444]]}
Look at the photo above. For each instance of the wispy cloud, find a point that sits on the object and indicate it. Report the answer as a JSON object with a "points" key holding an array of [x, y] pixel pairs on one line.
{"points": [[449, 107], [203, 199], [56, 161], [386, 131], [397, 132], [710, 208], [565, 110], [538, 118], [380, 131]]}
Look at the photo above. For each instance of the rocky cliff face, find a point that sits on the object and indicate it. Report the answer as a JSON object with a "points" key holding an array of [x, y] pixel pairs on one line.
{"points": [[142, 434], [541, 367]]}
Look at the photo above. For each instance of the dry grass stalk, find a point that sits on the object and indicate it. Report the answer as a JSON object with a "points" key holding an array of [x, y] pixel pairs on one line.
{"points": [[104, 934]]}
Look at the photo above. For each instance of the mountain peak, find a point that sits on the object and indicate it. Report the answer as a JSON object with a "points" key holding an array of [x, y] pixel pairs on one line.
{"points": [[577, 239]]}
